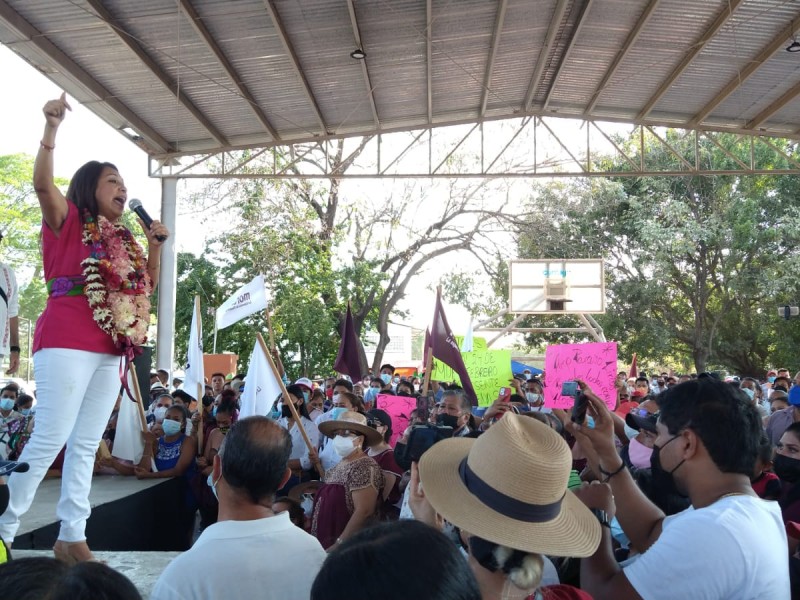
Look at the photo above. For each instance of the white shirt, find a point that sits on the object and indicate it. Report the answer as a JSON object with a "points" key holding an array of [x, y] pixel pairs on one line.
{"points": [[8, 282], [268, 559], [734, 549], [299, 448]]}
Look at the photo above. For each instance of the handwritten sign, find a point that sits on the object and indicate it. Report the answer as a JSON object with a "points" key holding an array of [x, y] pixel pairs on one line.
{"points": [[399, 409], [596, 364], [489, 370]]}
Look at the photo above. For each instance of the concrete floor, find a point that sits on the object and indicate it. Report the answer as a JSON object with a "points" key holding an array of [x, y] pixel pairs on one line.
{"points": [[142, 568]]}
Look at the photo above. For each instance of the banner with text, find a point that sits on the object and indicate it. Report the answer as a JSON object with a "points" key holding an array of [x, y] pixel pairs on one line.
{"points": [[489, 370], [596, 364], [399, 409]]}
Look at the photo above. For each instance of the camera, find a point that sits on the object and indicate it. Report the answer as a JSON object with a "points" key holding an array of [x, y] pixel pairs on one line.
{"points": [[570, 388], [420, 439]]}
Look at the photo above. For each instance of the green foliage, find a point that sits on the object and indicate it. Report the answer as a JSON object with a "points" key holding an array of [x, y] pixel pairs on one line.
{"points": [[695, 265]]}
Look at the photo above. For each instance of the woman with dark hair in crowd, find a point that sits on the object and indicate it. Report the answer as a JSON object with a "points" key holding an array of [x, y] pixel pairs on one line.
{"points": [[383, 454], [422, 564], [299, 447], [787, 467], [99, 281], [350, 497]]}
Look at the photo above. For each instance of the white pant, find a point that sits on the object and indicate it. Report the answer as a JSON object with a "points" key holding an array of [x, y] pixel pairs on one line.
{"points": [[75, 394]]}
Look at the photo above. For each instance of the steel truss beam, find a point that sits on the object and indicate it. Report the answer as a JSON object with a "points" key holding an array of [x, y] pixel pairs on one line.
{"points": [[530, 147]]}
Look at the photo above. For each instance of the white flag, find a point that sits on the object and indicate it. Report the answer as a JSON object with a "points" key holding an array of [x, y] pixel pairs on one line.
{"points": [[247, 300], [128, 441], [466, 345], [194, 372], [260, 386]]}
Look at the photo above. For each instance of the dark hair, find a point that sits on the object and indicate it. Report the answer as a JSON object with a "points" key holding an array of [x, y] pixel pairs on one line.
{"points": [[766, 448], [387, 366], [795, 429], [381, 417], [356, 568], [296, 513], [255, 455], [33, 578], [297, 391], [355, 400], [638, 379], [344, 383], [184, 414], [23, 399], [227, 406], [10, 388], [726, 422], [408, 385], [181, 395], [377, 380], [83, 186], [218, 375]]}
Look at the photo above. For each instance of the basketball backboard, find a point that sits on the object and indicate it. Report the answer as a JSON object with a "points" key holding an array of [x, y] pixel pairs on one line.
{"points": [[556, 286]]}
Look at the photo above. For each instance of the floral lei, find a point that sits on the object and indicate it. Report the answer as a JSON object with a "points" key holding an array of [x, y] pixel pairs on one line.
{"points": [[117, 283]]}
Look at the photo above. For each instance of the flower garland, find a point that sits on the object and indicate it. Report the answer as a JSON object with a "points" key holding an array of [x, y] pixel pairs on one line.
{"points": [[117, 283]]}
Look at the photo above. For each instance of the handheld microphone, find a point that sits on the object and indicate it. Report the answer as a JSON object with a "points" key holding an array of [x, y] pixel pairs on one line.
{"points": [[136, 206]]}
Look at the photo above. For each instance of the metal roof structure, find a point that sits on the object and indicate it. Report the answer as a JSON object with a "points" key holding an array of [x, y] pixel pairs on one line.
{"points": [[196, 76]]}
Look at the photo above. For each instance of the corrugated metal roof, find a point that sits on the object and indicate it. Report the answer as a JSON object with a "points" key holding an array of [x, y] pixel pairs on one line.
{"points": [[279, 71]]}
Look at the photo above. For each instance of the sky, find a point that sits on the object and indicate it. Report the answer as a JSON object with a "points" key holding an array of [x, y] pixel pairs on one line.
{"points": [[83, 136]]}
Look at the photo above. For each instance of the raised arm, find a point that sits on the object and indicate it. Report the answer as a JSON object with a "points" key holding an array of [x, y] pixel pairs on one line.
{"points": [[51, 200]]}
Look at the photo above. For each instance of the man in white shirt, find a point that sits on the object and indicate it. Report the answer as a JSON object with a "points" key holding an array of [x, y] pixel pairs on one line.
{"points": [[250, 552], [728, 545], [9, 319]]}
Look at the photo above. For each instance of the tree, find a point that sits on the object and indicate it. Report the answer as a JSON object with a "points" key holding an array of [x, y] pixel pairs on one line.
{"points": [[694, 264], [339, 247]]}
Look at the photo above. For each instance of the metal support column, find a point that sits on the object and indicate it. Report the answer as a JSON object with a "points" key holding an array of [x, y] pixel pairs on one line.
{"points": [[168, 278]]}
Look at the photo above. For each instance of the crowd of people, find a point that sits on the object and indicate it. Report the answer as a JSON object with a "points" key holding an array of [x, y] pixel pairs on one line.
{"points": [[687, 487]]}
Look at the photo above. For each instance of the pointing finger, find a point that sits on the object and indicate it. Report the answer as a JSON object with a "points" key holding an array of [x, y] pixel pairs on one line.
{"points": [[64, 100]]}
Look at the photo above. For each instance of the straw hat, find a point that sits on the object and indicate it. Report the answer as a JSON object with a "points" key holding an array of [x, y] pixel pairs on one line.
{"points": [[352, 421], [509, 486]]}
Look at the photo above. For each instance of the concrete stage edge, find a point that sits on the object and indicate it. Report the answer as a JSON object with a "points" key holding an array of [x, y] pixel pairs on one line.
{"points": [[127, 515]]}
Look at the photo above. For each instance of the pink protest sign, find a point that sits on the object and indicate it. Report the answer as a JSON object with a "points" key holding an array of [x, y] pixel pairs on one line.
{"points": [[399, 408], [596, 364]]}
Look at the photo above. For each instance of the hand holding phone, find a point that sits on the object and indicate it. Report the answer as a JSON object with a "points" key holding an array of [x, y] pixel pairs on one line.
{"points": [[505, 394]]}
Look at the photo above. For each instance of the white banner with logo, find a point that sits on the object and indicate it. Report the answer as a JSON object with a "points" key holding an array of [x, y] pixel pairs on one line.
{"points": [[247, 300]]}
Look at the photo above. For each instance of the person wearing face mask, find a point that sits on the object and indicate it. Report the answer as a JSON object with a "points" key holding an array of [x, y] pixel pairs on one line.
{"points": [[383, 454], [729, 544], [299, 448], [780, 420], [752, 390], [455, 411], [316, 404], [506, 493], [787, 467], [371, 393], [19, 430], [8, 399], [342, 400], [387, 378], [351, 495], [158, 412], [637, 453]]}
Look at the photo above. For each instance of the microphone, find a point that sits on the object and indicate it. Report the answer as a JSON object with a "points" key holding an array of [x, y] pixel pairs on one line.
{"points": [[136, 206]]}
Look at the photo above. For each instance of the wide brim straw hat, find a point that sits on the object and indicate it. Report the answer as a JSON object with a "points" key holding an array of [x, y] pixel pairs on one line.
{"points": [[352, 421], [509, 486]]}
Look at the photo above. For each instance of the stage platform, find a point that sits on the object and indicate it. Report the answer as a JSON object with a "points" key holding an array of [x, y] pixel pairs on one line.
{"points": [[128, 514], [142, 568]]}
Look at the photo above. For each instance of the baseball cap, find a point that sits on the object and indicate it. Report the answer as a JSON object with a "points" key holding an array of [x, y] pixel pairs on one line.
{"points": [[636, 420], [305, 382]]}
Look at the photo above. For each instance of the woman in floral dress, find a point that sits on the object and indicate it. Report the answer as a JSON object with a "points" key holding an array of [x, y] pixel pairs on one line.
{"points": [[98, 310]]}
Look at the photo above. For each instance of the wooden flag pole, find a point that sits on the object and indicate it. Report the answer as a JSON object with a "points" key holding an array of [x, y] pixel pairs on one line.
{"points": [[285, 393], [271, 333], [428, 368], [201, 408], [137, 393]]}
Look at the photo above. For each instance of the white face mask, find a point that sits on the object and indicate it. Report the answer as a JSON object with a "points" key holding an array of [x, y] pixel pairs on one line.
{"points": [[343, 446], [308, 504], [160, 412], [533, 398]]}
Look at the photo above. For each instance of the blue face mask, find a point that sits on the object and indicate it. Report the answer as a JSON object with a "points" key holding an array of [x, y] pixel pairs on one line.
{"points": [[771, 379], [171, 427], [750, 393], [25, 411], [337, 411], [6, 404], [212, 484], [214, 412], [371, 394], [386, 378], [275, 414], [306, 396]]}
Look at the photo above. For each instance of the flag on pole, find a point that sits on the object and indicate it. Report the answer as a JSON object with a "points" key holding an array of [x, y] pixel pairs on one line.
{"points": [[466, 345], [194, 376], [445, 348], [248, 299], [633, 372], [260, 388], [347, 360]]}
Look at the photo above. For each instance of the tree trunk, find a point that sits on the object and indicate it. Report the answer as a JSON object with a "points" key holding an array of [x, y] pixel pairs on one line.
{"points": [[700, 356]]}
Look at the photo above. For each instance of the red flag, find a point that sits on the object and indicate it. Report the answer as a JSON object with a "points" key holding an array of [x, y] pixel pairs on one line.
{"points": [[633, 372], [444, 347], [347, 360]]}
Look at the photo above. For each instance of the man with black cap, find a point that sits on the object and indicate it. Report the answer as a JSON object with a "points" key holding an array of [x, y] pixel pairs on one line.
{"points": [[728, 545], [9, 321]]}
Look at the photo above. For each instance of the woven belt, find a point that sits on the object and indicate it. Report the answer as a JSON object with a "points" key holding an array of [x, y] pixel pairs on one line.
{"points": [[66, 286]]}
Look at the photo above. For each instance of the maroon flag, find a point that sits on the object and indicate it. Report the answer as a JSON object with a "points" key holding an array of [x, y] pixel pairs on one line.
{"points": [[445, 348], [633, 372], [347, 361], [427, 348]]}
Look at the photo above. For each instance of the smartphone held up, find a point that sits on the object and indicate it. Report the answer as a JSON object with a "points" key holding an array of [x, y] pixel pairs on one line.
{"points": [[572, 389]]}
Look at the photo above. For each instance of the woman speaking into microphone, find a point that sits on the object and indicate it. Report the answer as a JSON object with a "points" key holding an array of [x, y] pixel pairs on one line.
{"points": [[99, 282]]}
